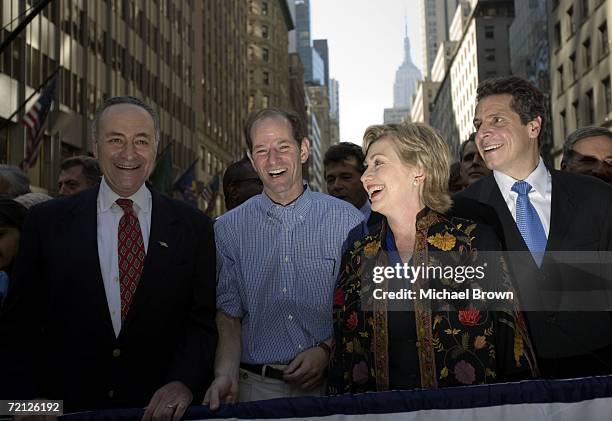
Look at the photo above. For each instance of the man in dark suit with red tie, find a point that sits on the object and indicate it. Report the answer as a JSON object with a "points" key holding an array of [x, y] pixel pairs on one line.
{"points": [[543, 216], [114, 303]]}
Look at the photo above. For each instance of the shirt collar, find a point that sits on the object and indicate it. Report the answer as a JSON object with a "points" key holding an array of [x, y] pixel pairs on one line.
{"points": [[107, 198], [299, 206], [538, 179]]}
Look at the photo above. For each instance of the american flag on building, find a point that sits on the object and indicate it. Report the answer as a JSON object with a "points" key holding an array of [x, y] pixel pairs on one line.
{"points": [[35, 122]]}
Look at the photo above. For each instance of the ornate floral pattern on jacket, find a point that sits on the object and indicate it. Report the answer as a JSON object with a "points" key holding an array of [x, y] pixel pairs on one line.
{"points": [[459, 342]]}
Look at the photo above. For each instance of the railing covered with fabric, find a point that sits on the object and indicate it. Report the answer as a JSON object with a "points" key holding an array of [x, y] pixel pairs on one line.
{"points": [[583, 399]]}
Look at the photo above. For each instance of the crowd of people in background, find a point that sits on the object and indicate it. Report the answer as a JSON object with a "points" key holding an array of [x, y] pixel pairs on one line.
{"points": [[117, 296]]}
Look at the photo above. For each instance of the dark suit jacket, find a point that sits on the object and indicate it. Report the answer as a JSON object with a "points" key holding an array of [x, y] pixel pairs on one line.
{"points": [[63, 342], [580, 220]]}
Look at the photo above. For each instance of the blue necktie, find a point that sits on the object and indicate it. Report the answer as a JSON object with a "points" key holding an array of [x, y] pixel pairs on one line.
{"points": [[4, 286], [528, 222]]}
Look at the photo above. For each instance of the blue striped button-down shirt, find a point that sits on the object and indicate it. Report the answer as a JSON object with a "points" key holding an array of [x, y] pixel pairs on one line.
{"points": [[277, 268]]}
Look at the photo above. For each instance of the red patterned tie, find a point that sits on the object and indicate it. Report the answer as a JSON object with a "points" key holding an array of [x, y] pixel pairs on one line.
{"points": [[131, 254]]}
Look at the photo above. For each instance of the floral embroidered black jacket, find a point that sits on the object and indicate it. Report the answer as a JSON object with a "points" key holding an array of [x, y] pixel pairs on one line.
{"points": [[459, 341]]}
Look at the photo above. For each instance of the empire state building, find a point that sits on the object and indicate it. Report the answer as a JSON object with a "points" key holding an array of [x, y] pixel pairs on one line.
{"points": [[406, 78]]}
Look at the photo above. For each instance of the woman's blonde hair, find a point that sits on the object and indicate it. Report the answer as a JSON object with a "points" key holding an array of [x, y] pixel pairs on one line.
{"points": [[419, 145]]}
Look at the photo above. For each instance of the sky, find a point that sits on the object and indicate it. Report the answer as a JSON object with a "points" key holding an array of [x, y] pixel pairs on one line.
{"points": [[366, 46]]}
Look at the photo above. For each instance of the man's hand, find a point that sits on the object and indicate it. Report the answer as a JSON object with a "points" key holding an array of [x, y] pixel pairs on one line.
{"points": [[307, 368], [223, 389], [169, 402]]}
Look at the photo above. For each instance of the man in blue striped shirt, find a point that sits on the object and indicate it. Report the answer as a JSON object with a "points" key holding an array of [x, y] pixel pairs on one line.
{"points": [[279, 256]]}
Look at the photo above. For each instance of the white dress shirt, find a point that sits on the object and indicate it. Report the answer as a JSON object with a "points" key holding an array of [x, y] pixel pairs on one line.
{"points": [[109, 214], [539, 196]]}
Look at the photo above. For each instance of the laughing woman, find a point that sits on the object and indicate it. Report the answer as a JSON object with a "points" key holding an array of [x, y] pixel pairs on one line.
{"points": [[450, 340]]}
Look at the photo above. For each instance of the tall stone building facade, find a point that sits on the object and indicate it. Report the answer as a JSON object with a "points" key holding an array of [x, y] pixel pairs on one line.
{"points": [[580, 67], [530, 55], [268, 26], [482, 52], [100, 49], [436, 16], [224, 83]]}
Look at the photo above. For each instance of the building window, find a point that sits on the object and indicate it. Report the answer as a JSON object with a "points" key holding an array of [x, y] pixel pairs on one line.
{"points": [[265, 54], [603, 37], [264, 7], [265, 100], [573, 71], [251, 52], [558, 35], [576, 111], [489, 32], [607, 95], [490, 54], [251, 102], [555, 4], [560, 79], [586, 48], [590, 108], [264, 31], [266, 78], [569, 18], [584, 5], [562, 123]]}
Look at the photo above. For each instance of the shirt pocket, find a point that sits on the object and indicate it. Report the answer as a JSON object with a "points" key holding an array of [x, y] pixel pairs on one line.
{"points": [[317, 280]]}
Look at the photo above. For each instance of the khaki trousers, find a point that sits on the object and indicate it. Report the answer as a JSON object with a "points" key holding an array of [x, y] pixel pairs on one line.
{"points": [[254, 387]]}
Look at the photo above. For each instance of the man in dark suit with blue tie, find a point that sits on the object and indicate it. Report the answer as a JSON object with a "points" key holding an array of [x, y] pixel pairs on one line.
{"points": [[115, 286], [541, 213]]}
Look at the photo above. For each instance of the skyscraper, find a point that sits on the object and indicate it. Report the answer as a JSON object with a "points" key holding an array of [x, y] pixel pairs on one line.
{"points": [[101, 49], [406, 78], [435, 23], [580, 68], [314, 67], [320, 46], [530, 55], [481, 53], [302, 27], [268, 26]]}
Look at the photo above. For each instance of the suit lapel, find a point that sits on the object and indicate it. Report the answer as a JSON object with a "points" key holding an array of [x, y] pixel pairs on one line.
{"points": [[163, 243], [525, 272], [491, 195], [561, 211], [84, 233]]}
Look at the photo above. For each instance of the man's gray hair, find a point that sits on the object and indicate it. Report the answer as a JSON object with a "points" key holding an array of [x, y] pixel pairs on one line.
{"points": [[17, 181], [581, 133], [116, 100]]}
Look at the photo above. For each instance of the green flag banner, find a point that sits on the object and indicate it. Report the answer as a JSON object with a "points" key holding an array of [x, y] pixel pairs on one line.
{"points": [[161, 178]]}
